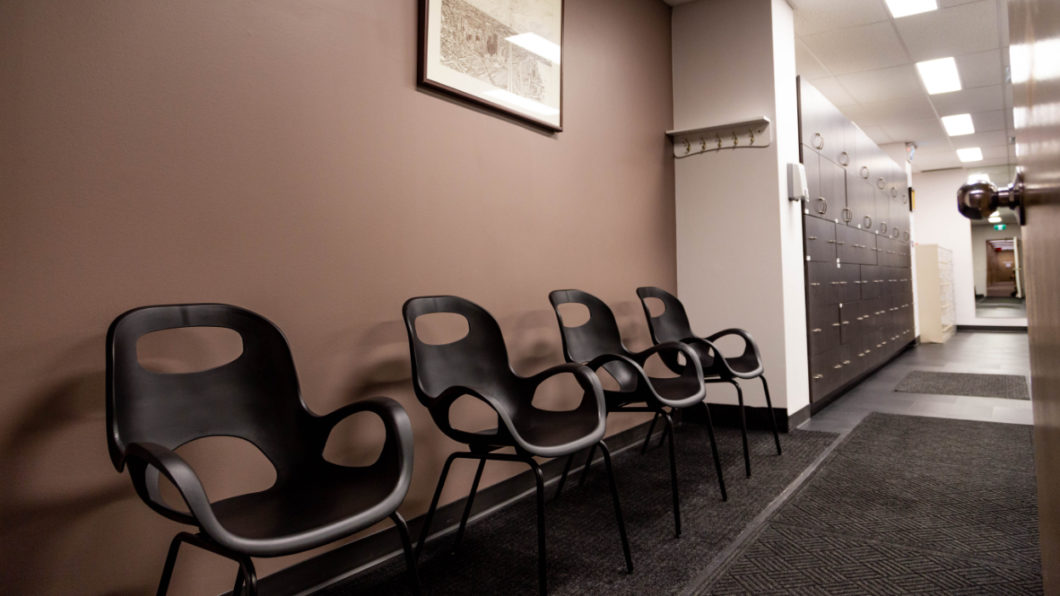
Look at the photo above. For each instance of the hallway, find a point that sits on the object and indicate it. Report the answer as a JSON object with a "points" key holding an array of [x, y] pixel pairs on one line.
{"points": [[983, 352]]}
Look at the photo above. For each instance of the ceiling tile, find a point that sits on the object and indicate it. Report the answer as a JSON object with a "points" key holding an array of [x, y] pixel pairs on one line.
{"points": [[834, 92], [885, 84], [988, 121], [877, 134], [977, 99], [940, 161], [806, 64], [918, 131], [980, 69], [995, 152], [859, 48], [952, 3], [815, 16], [877, 113], [962, 29]]}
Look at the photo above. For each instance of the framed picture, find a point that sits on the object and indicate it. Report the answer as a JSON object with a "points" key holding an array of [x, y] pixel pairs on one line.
{"points": [[504, 55]]}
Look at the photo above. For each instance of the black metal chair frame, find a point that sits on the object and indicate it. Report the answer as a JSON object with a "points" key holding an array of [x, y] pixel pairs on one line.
{"points": [[255, 397], [477, 366], [598, 343], [672, 325]]}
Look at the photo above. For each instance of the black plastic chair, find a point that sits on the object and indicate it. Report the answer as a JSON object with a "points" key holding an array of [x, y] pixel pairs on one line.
{"points": [[255, 397], [477, 365], [598, 344], [672, 325]]}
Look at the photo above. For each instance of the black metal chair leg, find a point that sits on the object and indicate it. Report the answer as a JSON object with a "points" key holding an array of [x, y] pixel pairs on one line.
{"points": [[248, 575], [618, 506], [167, 569], [406, 545], [673, 477], [714, 452], [563, 476], [651, 429], [434, 505], [467, 506], [588, 462], [238, 589], [772, 418], [542, 561], [743, 429]]}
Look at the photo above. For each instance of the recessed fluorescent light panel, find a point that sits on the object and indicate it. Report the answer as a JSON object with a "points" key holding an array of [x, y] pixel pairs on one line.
{"points": [[958, 124], [970, 154], [940, 75], [904, 8]]}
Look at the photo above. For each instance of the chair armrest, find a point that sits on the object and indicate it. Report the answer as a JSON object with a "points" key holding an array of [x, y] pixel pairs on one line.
{"points": [[141, 456], [673, 346], [585, 376], [719, 365], [399, 440], [750, 347]]}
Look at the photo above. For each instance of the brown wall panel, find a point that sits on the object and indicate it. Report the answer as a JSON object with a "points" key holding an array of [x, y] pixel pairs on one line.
{"points": [[278, 155]]}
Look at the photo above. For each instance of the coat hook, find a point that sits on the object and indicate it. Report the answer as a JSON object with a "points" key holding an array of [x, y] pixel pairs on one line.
{"points": [[718, 137], [735, 140], [752, 133], [688, 146], [702, 144]]}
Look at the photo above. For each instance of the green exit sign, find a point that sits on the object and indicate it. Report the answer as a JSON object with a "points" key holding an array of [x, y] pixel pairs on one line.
{"points": [[999, 227]]}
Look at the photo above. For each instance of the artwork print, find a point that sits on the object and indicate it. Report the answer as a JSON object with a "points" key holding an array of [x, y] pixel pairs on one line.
{"points": [[502, 54]]}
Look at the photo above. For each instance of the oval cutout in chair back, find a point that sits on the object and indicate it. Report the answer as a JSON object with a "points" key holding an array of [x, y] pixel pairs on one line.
{"points": [[188, 349], [573, 314], [441, 328], [655, 306]]}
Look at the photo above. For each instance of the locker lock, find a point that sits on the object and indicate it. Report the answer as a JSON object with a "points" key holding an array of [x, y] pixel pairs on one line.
{"points": [[977, 200]]}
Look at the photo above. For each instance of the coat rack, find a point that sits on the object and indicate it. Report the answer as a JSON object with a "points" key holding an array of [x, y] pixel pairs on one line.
{"points": [[735, 135]]}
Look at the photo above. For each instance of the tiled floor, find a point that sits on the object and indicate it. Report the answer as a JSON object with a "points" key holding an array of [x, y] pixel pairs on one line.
{"points": [[1000, 308], [969, 352]]}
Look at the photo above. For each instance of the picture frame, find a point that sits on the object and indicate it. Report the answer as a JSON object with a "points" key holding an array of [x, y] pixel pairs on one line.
{"points": [[501, 55]]}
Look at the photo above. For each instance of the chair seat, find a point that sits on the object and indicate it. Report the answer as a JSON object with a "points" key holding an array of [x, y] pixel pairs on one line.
{"points": [[744, 366], [311, 509], [549, 430]]}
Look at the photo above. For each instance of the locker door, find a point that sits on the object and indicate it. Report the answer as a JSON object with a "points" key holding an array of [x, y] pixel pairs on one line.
{"points": [[819, 277], [820, 240], [824, 326]]}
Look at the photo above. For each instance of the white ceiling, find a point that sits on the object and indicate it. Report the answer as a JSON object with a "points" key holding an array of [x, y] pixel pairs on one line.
{"points": [[863, 61]]}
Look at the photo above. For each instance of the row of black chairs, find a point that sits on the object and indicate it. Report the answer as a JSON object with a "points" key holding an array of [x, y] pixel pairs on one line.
{"points": [[315, 502]]}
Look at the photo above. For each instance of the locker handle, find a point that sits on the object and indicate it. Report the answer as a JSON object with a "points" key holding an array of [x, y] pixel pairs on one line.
{"points": [[846, 362], [881, 183], [846, 322], [847, 214], [817, 330], [830, 241], [844, 159], [818, 377], [814, 284], [811, 237], [867, 222], [821, 205], [835, 324], [864, 173], [818, 141], [838, 366], [883, 227]]}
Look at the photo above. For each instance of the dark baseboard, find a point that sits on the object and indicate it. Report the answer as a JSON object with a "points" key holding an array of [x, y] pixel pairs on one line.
{"points": [[799, 417], [728, 415], [994, 328], [346, 561]]}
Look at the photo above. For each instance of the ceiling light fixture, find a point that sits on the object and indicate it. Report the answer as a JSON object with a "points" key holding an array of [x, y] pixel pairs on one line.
{"points": [[958, 124], [904, 8], [939, 75], [970, 154]]}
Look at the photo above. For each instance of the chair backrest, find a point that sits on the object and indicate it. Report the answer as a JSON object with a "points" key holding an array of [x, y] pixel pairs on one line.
{"points": [[672, 323], [597, 336], [254, 397], [478, 360]]}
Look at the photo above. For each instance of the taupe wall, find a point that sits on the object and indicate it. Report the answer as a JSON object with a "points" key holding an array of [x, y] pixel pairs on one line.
{"points": [[278, 155]]}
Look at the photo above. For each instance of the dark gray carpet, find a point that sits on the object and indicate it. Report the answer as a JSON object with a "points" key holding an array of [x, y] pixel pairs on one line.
{"points": [[499, 553], [978, 385], [904, 505]]}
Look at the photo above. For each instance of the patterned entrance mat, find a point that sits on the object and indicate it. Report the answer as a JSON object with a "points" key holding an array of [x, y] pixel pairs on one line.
{"points": [[903, 505], [978, 385]]}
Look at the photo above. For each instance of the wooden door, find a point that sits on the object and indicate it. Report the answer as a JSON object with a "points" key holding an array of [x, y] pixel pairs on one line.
{"points": [[1034, 24]]}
